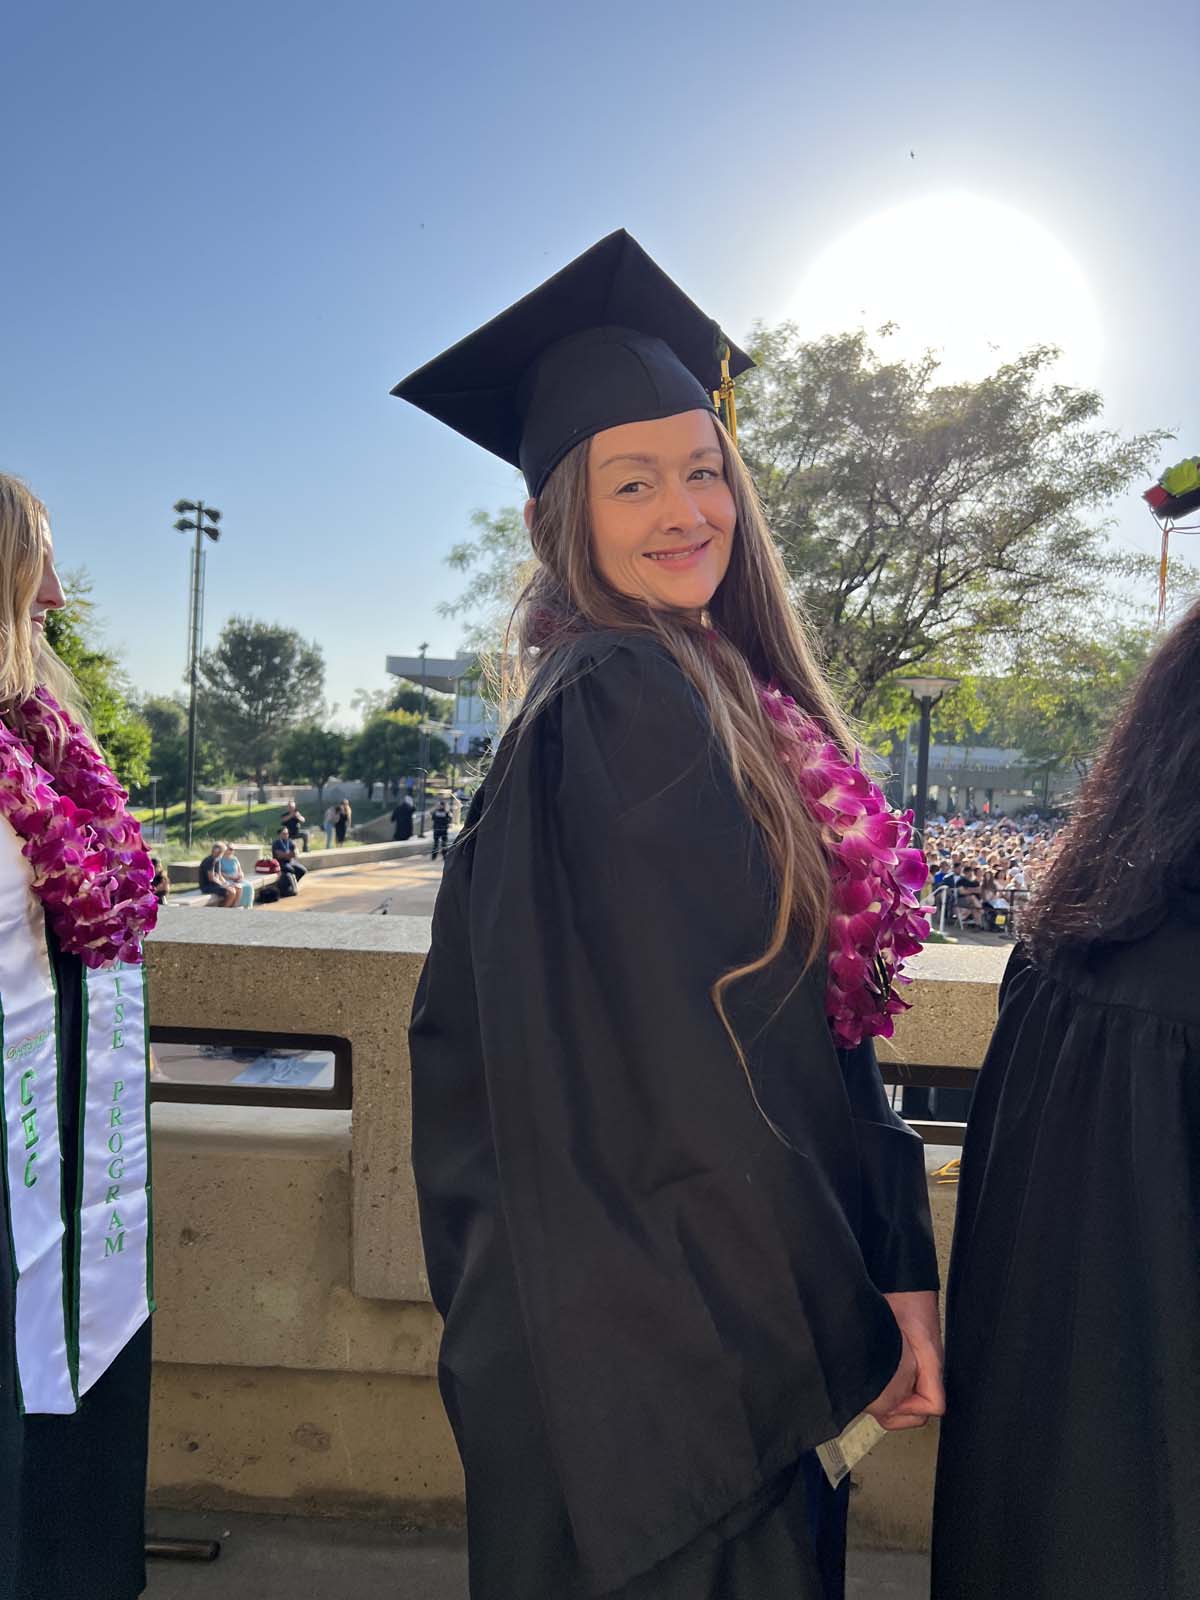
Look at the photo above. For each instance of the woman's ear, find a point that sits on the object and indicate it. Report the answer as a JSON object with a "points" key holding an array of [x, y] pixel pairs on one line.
{"points": [[529, 508]]}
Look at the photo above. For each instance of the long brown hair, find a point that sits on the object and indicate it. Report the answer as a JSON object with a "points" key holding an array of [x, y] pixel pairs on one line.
{"points": [[757, 636], [25, 664], [1136, 823]]}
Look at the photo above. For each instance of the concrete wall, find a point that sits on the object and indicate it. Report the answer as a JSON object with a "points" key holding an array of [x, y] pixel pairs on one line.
{"points": [[295, 1345]]}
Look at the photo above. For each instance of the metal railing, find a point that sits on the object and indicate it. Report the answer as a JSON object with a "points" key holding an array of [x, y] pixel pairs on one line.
{"points": [[904, 1075]]}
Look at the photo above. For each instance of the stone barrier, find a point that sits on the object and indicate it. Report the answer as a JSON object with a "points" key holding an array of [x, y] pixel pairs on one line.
{"points": [[295, 1344]]}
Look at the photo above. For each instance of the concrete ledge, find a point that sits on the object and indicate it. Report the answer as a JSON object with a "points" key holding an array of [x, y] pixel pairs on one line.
{"points": [[332, 1444], [953, 999], [348, 975], [296, 1346], [252, 1219]]}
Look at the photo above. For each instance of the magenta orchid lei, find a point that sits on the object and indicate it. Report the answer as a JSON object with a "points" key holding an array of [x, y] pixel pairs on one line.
{"points": [[875, 919], [90, 870]]}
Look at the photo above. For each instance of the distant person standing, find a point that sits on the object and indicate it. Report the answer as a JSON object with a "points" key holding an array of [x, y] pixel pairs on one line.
{"points": [[440, 817], [402, 818], [341, 824], [331, 816], [293, 821]]}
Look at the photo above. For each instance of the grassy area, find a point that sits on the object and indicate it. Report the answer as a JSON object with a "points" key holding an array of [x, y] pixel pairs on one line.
{"points": [[237, 824]]}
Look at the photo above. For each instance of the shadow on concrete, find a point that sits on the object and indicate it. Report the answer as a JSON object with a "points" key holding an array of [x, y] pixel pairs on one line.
{"points": [[302, 1558]]}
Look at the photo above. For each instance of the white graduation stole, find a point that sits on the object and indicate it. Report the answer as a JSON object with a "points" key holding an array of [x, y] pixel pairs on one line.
{"points": [[77, 1305]]}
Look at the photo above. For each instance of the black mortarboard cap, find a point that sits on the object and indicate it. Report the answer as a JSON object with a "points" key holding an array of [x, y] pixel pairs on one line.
{"points": [[608, 340]]}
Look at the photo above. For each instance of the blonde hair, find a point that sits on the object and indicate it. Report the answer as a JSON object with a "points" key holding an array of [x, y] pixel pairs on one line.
{"points": [[24, 522], [758, 637]]}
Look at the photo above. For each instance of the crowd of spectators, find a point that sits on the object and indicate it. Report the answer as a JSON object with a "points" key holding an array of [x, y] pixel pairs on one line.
{"points": [[982, 870]]}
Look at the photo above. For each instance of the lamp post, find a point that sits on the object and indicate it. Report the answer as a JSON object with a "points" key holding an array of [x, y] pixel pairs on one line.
{"points": [[926, 692], [423, 753], [203, 523]]}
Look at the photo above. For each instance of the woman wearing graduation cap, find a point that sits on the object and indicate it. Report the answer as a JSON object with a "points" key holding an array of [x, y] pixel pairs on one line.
{"points": [[1069, 1466], [677, 1235], [76, 900]]}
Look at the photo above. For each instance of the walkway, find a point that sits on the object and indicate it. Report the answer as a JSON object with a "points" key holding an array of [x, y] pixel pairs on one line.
{"points": [[302, 1558]]}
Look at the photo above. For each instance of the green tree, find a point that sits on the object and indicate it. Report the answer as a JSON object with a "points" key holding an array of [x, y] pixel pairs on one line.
{"points": [[167, 720], [1055, 703], [258, 682], [402, 696], [122, 735], [920, 520], [408, 696], [166, 717], [312, 755], [389, 747], [500, 563], [1058, 706]]}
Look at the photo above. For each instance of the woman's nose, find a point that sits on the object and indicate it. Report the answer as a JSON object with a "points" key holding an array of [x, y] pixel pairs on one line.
{"points": [[682, 509], [50, 591]]}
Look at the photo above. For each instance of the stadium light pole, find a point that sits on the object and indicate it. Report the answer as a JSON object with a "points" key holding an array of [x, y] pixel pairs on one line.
{"points": [[203, 522], [926, 692]]}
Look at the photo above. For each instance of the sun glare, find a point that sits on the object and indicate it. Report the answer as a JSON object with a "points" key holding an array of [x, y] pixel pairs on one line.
{"points": [[968, 278]]}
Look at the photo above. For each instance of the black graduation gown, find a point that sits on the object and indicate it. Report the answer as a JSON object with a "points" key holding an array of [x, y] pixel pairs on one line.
{"points": [[1069, 1466], [653, 1306], [73, 1489]]}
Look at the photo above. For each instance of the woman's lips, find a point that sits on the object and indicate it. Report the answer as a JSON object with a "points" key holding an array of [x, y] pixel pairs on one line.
{"points": [[686, 556]]}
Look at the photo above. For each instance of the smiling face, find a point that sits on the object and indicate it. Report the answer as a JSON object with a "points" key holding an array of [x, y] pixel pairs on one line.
{"points": [[662, 513]]}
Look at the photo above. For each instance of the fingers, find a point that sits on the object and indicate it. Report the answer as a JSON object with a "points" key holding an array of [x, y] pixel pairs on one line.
{"points": [[897, 1423], [902, 1385], [929, 1391]]}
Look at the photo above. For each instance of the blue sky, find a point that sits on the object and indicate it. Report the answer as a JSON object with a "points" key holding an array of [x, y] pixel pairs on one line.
{"points": [[231, 228]]}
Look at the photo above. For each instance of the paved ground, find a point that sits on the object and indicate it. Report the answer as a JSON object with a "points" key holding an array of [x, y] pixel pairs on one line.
{"points": [[407, 887], [298, 1558]]}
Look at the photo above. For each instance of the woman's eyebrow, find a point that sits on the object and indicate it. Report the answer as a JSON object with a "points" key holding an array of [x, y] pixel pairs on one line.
{"points": [[650, 461], [642, 461]]}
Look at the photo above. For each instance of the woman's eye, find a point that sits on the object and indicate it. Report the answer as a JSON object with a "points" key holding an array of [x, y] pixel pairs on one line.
{"points": [[706, 472], [636, 484]]}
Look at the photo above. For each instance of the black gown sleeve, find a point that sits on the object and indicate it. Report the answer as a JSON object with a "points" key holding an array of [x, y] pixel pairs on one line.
{"points": [[696, 1303], [896, 1231]]}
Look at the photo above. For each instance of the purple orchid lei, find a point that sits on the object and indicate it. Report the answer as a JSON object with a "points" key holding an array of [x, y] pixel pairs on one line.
{"points": [[875, 919], [90, 870]]}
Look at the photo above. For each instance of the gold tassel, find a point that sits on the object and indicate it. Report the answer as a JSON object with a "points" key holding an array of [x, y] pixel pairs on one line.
{"points": [[725, 398]]}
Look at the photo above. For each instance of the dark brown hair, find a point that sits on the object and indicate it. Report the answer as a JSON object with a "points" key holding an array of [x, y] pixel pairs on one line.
{"points": [[1136, 824]]}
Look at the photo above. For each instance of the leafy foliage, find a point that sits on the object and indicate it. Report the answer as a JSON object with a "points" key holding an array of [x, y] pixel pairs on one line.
{"points": [[919, 520], [408, 697], [389, 747], [403, 696], [121, 733], [258, 682], [500, 564], [166, 717], [312, 755], [1058, 707]]}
